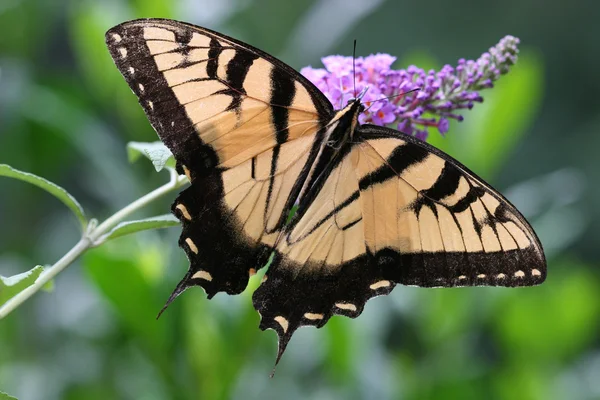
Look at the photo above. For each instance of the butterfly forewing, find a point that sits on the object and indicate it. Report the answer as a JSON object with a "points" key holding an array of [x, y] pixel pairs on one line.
{"points": [[207, 93], [229, 113]]}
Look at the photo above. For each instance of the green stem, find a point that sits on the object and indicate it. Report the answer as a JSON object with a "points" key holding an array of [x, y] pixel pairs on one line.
{"points": [[45, 277], [89, 240], [120, 215]]}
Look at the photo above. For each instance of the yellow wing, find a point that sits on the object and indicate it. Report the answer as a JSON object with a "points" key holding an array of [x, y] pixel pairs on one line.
{"points": [[445, 226], [242, 125], [213, 101], [232, 219], [393, 210], [250, 133]]}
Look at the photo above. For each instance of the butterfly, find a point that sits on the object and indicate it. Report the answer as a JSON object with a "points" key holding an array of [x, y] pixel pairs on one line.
{"points": [[373, 207]]}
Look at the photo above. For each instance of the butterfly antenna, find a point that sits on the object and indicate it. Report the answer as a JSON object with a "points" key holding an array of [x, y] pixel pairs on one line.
{"points": [[391, 97], [354, 67]]}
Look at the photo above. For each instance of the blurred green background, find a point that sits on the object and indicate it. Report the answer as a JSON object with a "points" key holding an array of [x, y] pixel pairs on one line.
{"points": [[66, 114]]}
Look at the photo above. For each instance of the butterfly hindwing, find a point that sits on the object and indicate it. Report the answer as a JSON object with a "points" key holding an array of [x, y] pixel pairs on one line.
{"points": [[229, 113], [321, 267], [393, 210], [232, 219]]}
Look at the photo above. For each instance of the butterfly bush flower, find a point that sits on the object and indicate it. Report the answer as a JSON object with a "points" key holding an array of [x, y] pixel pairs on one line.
{"points": [[416, 99]]}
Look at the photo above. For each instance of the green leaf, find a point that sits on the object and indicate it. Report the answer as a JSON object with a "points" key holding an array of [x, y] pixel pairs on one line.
{"points": [[10, 286], [158, 8], [219, 346], [4, 396], [128, 227], [118, 270], [339, 333], [48, 287], [86, 38], [421, 57], [156, 152], [52, 188]]}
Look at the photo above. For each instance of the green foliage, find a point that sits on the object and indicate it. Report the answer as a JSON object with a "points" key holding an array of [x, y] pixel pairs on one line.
{"points": [[94, 234], [4, 396], [55, 190], [340, 338], [541, 323], [219, 348], [129, 227], [156, 152], [10, 286], [128, 276]]}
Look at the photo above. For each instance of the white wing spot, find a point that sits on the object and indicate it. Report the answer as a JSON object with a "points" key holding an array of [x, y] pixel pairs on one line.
{"points": [[184, 211], [346, 306], [462, 277], [187, 172], [519, 274], [283, 322], [151, 105], [379, 284], [202, 275], [500, 276], [536, 272], [123, 52], [481, 276], [131, 70], [312, 316], [116, 37], [192, 245], [141, 87]]}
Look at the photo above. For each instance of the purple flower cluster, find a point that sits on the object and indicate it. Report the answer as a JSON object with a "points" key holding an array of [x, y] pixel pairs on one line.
{"points": [[413, 99]]}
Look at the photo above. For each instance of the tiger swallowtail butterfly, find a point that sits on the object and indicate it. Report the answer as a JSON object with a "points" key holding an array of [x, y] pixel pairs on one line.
{"points": [[375, 207]]}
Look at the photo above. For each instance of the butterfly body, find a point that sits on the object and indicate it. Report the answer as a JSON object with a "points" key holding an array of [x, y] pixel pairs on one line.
{"points": [[333, 145], [375, 207]]}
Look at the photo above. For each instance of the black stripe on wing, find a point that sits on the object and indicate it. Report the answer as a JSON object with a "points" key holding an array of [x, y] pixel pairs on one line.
{"points": [[402, 158], [283, 91], [521, 266]]}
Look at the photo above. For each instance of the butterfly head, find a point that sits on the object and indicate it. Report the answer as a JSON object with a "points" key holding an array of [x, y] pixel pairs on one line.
{"points": [[358, 99], [354, 108], [356, 104]]}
